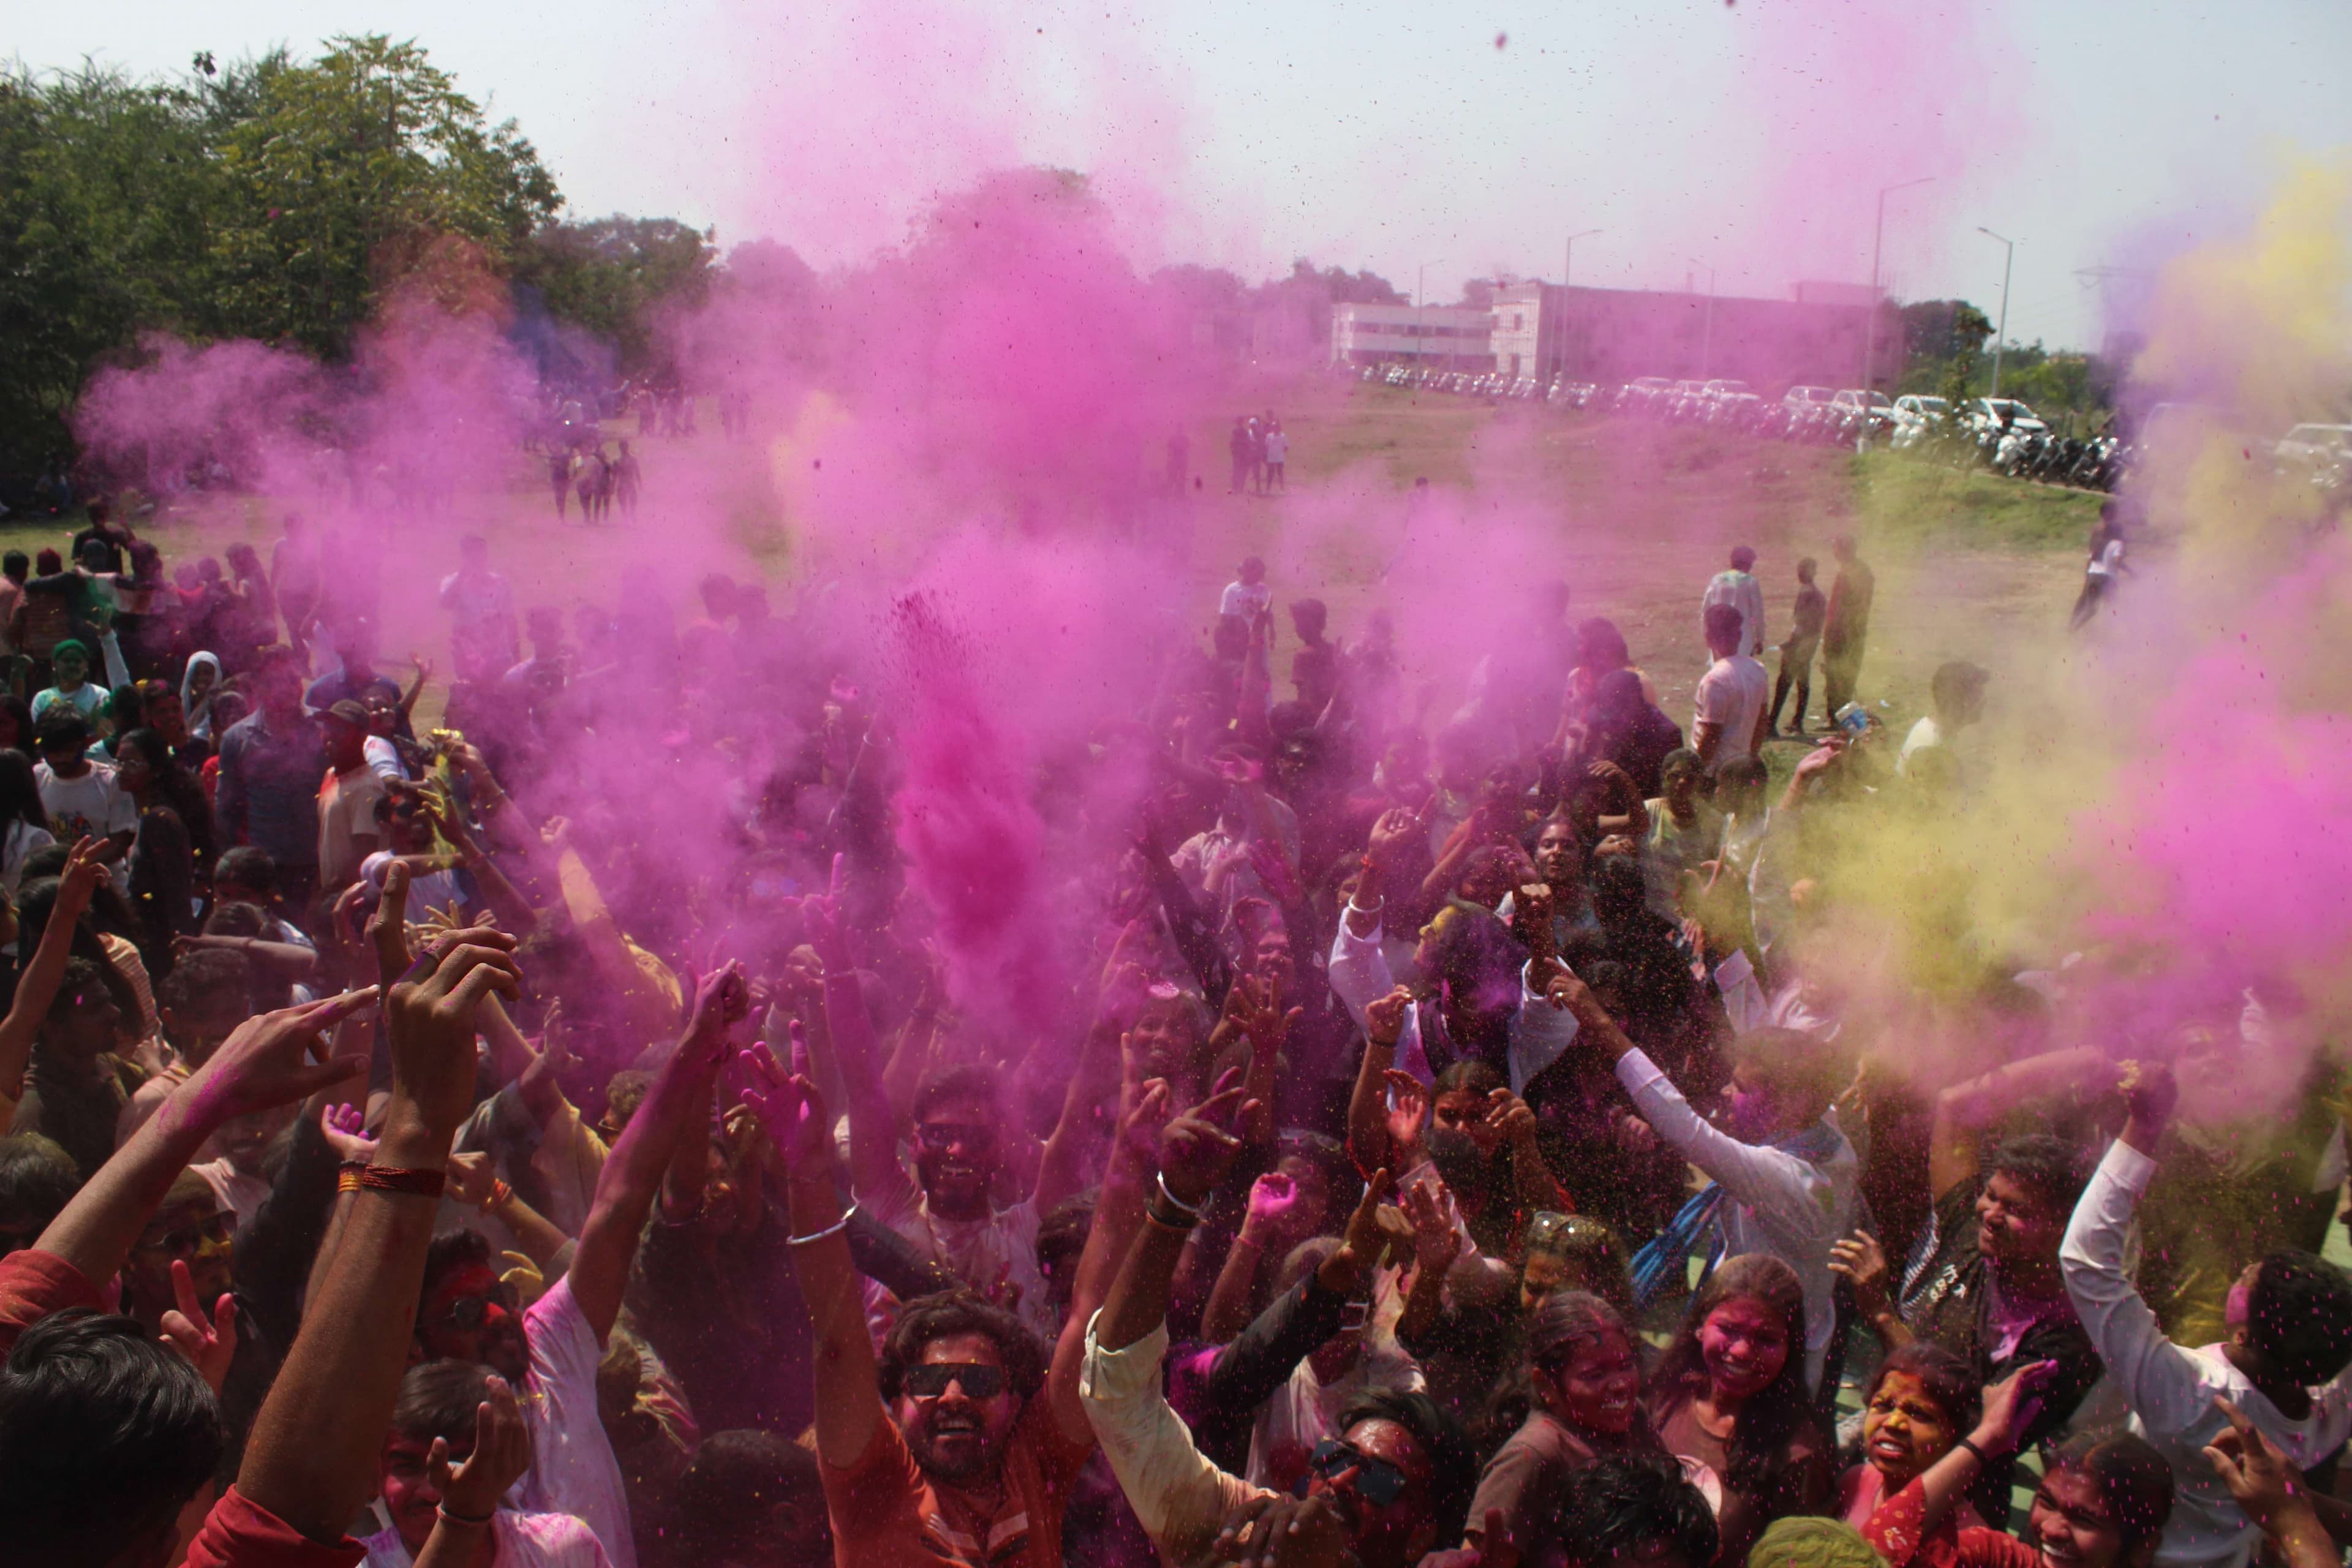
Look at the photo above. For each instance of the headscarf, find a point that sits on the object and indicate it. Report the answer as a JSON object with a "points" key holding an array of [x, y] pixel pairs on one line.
{"points": [[199, 712]]}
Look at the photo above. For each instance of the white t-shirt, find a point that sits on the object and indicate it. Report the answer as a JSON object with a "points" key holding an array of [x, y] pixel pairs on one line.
{"points": [[1732, 697], [1925, 735], [1277, 447], [426, 889], [1246, 599], [383, 757], [980, 1252], [516, 1540], [93, 806], [21, 839], [84, 700], [573, 1469]]}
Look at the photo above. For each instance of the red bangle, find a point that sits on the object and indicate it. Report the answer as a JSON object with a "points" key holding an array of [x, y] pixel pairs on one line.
{"points": [[392, 1179]]}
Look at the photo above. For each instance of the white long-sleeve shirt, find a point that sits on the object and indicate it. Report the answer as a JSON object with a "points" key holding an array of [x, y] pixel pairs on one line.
{"points": [[1179, 1496], [2170, 1387], [1773, 1201], [1361, 974]]}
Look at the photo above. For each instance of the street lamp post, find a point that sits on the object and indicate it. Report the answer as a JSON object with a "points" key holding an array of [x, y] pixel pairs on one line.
{"points": [[1706, 332], [1559, 338], [2001, 334], [1420, 302], [1870, 316]]}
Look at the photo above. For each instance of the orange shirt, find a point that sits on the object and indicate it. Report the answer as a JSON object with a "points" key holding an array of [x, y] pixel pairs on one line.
{"points": [[886, 1513]]}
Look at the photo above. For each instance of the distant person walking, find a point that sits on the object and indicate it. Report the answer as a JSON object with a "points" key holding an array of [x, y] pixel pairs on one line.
{"points": [[559, 475], [1845, 631], [1812, 609], [626, 477], [1738, 588], [1277, 452], [1237, 444], [2103, 568]]}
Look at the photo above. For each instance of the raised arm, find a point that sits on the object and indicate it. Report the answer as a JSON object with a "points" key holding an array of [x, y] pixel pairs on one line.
{"points": [[1965, 1108], [1369, 1141], [2160, 1379], [875, 1174], [37, 986], [1901, 1523], [676, 1107], [311, 1460], [848, 1403]]}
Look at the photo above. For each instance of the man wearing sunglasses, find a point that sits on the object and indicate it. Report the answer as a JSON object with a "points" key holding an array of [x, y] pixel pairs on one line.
{"points": [[1397, 1473]]}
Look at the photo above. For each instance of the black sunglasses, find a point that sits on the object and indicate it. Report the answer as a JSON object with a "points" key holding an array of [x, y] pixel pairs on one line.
{"points": [[1378, 1481], [930, 1380], [468, 1313], [941, 1136]]}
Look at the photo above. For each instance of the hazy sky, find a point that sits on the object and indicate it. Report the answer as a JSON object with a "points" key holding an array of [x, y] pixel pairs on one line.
{"points": [[1750, 137]]}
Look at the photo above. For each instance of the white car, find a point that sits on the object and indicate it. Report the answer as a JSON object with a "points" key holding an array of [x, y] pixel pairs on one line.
{"points": [[2021, 420], [2309, 448]]}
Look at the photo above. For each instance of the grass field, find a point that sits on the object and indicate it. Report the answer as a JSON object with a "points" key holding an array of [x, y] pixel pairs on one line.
{"points": [[1969, 565]]}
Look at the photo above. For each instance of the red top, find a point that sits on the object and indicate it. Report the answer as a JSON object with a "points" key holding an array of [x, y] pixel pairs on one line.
{"points": [[885, 1511], [33, 1284], [1896, 1530], [241, 1534]]}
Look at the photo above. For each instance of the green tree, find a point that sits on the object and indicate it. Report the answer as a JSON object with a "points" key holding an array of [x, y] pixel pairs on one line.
{"points": [[107, 196], [612, 276], [1944, 330], [347, 172]]}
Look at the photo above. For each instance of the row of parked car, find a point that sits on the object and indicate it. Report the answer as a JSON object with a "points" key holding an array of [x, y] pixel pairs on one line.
{"points": [[1560, 392]]}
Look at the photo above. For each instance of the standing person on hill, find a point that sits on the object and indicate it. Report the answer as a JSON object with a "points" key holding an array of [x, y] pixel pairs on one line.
{"points": [[1738, 588], [1237, 446], [1811, 609], [484, 637], [1845, 629], [1728, 723], [271, 762]]}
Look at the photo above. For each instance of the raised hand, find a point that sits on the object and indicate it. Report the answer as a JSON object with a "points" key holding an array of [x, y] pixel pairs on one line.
{"points": [[1863, 1266], [1360, 1244], [1509, 1119], [2011, 1406], [2260, 1476], [2149, 1092], [501, 1454], [1273, 1201], [792, 1110], [1407, 1113], [1255, 1005], [343, 1127], [77, 883], [209, 1343], [1436, 1241], [472, 1177], [722, 999], [1196, 1149], [1384, 1016], [430, 1015], [265, 1062], [1392, 837]]}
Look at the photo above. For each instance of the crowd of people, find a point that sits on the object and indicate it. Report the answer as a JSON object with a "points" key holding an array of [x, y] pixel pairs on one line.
{"points": [[563, 1135]]}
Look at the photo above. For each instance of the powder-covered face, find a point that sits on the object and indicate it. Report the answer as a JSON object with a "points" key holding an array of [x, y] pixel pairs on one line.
{"points": [[2071, 1522], [1598, 1389], [1745, 1344], [956, 1434], [1904, 1430]]}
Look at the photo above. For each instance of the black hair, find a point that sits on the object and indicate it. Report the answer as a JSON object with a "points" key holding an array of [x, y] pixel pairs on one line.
{"points": [[20, 793], [1062, 1233], [446, 1255], [1585, 1243], [1796, 1063], [1771, 1421], [1467, 1173], [1626, 1505], [1949, 1381], [203, 978], [1453, 1462], [106, 1432], [37, 1179], [81, 976], [2050, 1168], [2299, 1316], [237, 919], [966, 1080], [927, 1318], [1742, 557], [1469, 1073], [440, 1399], [1566, 1319], [725, 1500], [62, 725], [16, 563], [246, 866], [2135, 1479], [1955, 682]]}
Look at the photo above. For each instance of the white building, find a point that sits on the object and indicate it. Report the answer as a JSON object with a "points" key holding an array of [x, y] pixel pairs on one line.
{"points": [[1439, 334]]}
